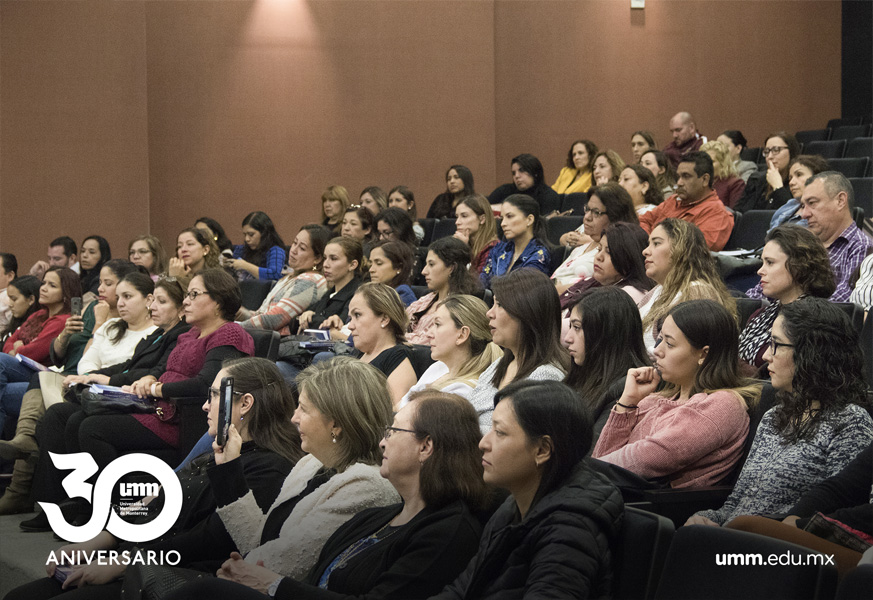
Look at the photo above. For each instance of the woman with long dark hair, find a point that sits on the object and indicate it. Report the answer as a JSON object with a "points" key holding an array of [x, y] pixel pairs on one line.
{"points": [[575, 177], [693, 430], [459, 185], [92, 256], [526, 245], [553, 536], [769, 189], [641, 185], [391, 264], [402, 197], [262, 256], [605, 340], [214, 230], [528, 178], [820, 422], [525, 323], [661, 167], [23, 297]]}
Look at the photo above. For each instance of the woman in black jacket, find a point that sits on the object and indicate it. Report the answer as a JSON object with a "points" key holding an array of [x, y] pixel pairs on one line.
{"points": [[528, 178], [409, 550], [552, 537]]}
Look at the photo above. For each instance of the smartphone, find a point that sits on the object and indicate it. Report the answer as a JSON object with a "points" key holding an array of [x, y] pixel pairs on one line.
{"points": [[225, 408], [76, 306], [321, 335], [62, 572]]}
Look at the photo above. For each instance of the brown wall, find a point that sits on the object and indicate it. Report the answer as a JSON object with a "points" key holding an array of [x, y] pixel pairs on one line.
{"points": [[119, 117]]}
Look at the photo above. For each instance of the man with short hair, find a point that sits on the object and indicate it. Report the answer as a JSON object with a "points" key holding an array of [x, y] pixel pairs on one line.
{"points": [[826, 205], [695, 201], [62, 252], [8, 272], [686, 138]]}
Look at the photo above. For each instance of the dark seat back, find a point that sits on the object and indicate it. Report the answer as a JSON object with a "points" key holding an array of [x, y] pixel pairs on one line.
{"points": [[254, 291], [750, 231], [850, 132], [558, 226], [857, 584], [834, 123], [427, 225], [751, 154], [575, 202], [863, 187], [266, 343], [813, 135], [443, 228], [695, 568], [851, 167], [830, 149], [639, 558], [859, 147]]}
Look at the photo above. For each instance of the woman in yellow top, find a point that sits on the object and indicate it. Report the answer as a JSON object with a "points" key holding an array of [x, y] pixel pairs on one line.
{"points": [[576, 176]]}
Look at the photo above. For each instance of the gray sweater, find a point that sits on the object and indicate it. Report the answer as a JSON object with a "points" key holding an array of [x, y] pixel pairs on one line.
{"points": [[775, 476]]}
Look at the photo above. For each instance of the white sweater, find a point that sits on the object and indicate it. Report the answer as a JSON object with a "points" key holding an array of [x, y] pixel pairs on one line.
{"points": [[103, 353]]}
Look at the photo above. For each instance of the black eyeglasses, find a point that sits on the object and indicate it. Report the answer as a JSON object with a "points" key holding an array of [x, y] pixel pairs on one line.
{"points": [[773, 150], [774, 345], [389, 431], [215, 394], [597, 213], [192, 295]]}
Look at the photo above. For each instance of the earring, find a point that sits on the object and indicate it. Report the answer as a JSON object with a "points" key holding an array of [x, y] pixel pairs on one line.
{"points": [[383, 325], [333, 437]]}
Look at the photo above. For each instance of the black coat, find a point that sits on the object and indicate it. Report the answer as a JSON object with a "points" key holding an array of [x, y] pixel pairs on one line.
{"points": [[328, 306], [415, 562], [149, 357], [755, 197], [545, 196], [561, 549]]}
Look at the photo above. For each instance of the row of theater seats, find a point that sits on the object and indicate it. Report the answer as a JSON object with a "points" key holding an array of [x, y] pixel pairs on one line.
{"points": [[656, 561]]}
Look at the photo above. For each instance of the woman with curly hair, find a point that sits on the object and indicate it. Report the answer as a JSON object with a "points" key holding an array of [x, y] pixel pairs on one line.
{"points": [[679, 261], [607, 166], [819, 424], [575, 177], [795, 265]]}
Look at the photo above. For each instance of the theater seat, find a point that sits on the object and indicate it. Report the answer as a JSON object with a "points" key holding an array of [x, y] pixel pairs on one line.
{"points": [[830, 149], [859, 147], [695, 568], [851, 167], [857, 584], [834, 123], [558, 226], [751, 154], [750, 231], [575, 202], [642, 549], [863, 187], [848, 132], [443, 228], [254, 291], [427, 225], [813, 135]]}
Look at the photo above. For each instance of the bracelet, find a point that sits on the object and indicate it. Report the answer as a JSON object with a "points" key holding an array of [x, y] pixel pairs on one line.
{"points": [[154, 389], [626, 406]]}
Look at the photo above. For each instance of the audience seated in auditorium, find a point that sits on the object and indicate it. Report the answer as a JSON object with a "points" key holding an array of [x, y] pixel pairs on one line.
{"points": [[736, 142], [195, 251], [360, 223], [528, 178], [575, 176], [607, 166], [695, 201], [402, 197], [665, 175], [294, 293], [374, 199], [692, 432], [93, 254], [394, 224], [148, 252], [619, 261], [475, 226], [461, 346], [214, 230], [686, 138], [526, 244], [262, 256], [818, 424], [21, 296], [844, 503], [641, 142], [826, 205], [267, 447], [62, 252], [459, 185], [334, 204], [769, 189], [525, 322], [408, 550], [800, 170], [726, 183], [642, 187], [8, 272], [605, 340], [378, 322], [679, 262], [555, 535], [795, 265], [608, 203], [391, 264], [445, 272]]}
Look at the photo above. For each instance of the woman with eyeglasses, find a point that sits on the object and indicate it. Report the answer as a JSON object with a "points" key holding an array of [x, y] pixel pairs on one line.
{"points": [[795, 265], [147, 251], [553, 537], [261, 408], [820, 420], [212, 300], [395, 225], [607, 203], [262, 256], [409, 550], [769, 189], [691, 433]]}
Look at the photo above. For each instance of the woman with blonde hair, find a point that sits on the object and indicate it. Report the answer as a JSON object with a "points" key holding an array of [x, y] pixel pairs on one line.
{"points": [[679, 261], [607, 166], [460, 342], [195, 252], [726, 181], [147, 251], [334, 204], [374, 199], [475, 225]]}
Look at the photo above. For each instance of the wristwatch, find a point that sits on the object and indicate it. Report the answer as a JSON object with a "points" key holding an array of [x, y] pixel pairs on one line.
{"points": [[274, 587]]}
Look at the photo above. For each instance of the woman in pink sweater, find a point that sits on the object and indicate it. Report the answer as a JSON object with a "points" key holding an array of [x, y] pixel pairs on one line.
{"points": [[692, 432]]}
